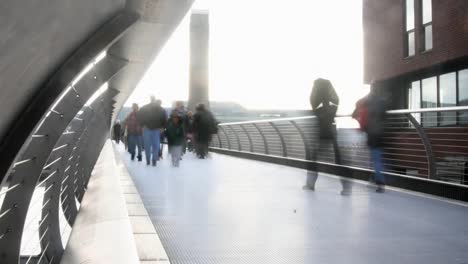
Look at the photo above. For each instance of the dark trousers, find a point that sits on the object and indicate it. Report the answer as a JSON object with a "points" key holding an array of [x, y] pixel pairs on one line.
{"points": [[320, 149], [135, 142]]}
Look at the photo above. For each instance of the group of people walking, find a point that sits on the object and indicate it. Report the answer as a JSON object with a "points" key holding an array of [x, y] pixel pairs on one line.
{"points": [[146, 128], [370, 112]]}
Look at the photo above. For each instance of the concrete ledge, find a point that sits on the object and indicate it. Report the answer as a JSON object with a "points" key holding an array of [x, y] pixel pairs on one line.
{"points": [[149, 247], [102, 232]]}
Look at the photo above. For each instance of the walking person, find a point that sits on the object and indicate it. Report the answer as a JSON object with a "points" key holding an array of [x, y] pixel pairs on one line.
{"points": [[175, 137], [204, 126], [188, 128], [324, 102], [179, 108], [134, 133], [152, 117], [370, 112], [117, 131]]}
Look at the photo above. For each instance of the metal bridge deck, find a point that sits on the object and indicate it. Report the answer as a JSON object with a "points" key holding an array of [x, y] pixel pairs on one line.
{"points": [[230, 210]]}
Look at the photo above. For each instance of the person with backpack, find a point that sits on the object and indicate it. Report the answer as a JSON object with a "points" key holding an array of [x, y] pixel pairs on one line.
{"points": [[204, 126], [370, 113], [175, 138], [324, 102], [152, 117]]}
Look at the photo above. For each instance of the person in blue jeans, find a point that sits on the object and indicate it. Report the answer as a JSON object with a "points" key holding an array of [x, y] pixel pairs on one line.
{"points": [[371, 115], [152, 118]]}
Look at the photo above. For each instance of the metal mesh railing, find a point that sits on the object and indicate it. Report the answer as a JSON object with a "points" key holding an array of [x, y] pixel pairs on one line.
{"points": [[427, 143], [39, 193]]}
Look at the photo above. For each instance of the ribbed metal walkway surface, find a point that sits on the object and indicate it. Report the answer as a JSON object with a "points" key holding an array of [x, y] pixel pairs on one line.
{"points": [[228, 210]]}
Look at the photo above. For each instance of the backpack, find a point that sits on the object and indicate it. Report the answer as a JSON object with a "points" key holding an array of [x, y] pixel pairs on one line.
{"points": [[361, 114]]}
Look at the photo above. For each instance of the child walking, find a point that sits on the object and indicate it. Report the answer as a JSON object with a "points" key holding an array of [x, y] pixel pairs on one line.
{"points": [[175, 138]]}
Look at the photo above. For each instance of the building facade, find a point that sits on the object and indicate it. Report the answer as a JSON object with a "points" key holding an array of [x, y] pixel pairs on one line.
{"points": [[418, 50]]}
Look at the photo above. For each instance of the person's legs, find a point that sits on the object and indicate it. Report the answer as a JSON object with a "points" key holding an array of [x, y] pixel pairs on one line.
{"points": [[132, 142], [376, 155], [172, 154], [177, 154], [139, 144], [312, 173], [147, 143], [155, 140], [346, 185]]}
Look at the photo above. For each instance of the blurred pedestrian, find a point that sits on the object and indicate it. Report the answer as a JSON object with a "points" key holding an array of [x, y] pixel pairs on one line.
{"points": [[179, 108], [324, 102], [204, 126], [370, 112], [152, 117], [175, 138], [188, 128], [134, 133], [117, 131]]}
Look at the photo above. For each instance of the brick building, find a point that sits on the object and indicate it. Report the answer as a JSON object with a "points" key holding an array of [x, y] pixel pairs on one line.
{"points": [[418, 49]]}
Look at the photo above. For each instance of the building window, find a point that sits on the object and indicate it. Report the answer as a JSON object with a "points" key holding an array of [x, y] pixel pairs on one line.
{"points": [[448, 98], [429, 100], [426, 24], [410, 42], [447, 90], [414, 98], [463, 95]]}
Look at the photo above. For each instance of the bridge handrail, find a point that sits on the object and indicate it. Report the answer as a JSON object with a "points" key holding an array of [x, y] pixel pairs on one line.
{"points": [[414, 148], [390, 112]]}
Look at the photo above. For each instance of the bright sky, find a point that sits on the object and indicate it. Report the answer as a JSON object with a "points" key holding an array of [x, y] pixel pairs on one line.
{"points": [[265, 54]]}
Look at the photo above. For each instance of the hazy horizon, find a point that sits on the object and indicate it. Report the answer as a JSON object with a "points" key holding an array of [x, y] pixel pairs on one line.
{"points": [[269, 58]]}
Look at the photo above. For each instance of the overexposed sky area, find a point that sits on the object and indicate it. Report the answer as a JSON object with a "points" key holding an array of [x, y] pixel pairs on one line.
{"points": [[265, 54]]}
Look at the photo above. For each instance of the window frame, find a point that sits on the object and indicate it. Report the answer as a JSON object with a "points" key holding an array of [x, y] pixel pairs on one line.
{"points": [[408, 32], [458, 121]]}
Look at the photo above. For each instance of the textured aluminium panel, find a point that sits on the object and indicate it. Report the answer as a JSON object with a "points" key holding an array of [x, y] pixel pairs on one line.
{"points": [[258, 213]]}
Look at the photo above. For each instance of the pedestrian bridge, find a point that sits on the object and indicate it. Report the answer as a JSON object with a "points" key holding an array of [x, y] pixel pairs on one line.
{"points": [[227, 209], [65, 197]]}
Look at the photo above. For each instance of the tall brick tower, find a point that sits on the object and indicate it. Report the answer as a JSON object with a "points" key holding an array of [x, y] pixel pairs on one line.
{"points": [[199, 68]]}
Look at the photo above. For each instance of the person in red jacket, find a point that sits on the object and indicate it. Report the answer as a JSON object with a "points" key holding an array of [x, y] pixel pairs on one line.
{"points": [[135, 133]]}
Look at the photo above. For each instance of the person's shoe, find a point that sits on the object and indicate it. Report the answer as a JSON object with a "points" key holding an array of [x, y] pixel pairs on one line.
{"points": [[147, 163], [308, 188], [380, 189], [139, 158], [154, 163], [133, 157]]}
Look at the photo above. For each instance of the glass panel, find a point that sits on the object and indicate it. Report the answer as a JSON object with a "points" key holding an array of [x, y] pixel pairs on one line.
{"points": [[448, 98], [429, 100], [409, 15], [428, 37], [414, 97], [411, 46], [463, 94], [427, 11]]}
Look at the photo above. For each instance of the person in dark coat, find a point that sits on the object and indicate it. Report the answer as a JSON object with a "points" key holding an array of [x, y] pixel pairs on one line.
{"points": [[152, 117], [188, 128], [371, 113], [134, 133], [175, 138], [324, 102], [204, 126], [117, 131]]}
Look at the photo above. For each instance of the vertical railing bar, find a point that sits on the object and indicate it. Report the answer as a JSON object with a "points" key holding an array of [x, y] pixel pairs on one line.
{"points": [[248, 137], [283, 143], [227, 138], [304, 140], [265, 143]]}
